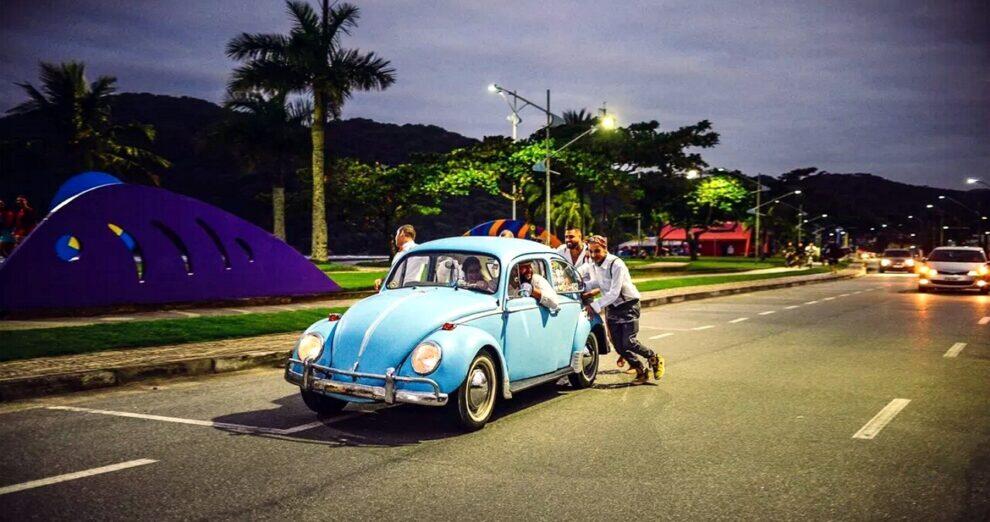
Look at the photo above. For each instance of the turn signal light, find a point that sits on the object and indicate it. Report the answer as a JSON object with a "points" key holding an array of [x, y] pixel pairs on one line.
{"points": [[448, 327], [333, 317]]}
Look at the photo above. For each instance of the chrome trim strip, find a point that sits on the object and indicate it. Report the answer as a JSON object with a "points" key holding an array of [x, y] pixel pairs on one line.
{"points": [[530, 382]]}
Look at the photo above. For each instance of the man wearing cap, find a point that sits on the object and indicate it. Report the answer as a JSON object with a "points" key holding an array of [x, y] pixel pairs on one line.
{"points": [[620, 300], [574, 250]]}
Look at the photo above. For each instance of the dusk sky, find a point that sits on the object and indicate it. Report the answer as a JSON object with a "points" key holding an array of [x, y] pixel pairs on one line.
{"points": [[897, 88]]}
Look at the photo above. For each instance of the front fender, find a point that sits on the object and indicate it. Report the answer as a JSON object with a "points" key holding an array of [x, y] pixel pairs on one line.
{"points": [[325, 328], [459, 346]]}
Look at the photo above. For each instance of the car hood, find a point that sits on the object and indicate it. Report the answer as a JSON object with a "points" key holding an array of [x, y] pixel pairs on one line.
{"points": [[380, 331], [946, 266]]}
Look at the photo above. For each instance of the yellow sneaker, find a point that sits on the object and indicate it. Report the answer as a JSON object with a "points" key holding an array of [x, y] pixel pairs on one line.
{"points": [[656, 364]]}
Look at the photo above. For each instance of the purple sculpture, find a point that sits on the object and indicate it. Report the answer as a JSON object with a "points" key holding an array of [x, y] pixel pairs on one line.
{"points": [[131, 244]]}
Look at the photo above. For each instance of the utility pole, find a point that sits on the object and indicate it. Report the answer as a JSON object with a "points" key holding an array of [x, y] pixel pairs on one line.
{"points": [[515, 125], [547, 164], [758, 244], [800, 217]]}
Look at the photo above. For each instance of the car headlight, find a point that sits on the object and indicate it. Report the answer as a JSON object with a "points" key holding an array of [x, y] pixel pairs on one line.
{"points": [[426, 357], [932, 272], [983, 270], [885, 262], [909, 262], [309, 347]]}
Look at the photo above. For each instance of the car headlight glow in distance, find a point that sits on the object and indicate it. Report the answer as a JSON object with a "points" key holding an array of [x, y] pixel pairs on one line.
{"points": [[932, 272], [909, 262], [309, 347], [885, 262], [426, 357]]}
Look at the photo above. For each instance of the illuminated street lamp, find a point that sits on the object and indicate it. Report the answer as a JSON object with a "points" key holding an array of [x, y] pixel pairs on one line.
{"points": [[973, 181]]}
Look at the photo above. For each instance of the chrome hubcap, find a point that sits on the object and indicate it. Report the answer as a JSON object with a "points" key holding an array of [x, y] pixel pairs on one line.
{"points": [[480, 392]]}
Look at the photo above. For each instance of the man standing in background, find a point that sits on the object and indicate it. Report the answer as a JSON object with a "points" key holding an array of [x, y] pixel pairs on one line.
{"points": [[574, 250], [405, 239]]}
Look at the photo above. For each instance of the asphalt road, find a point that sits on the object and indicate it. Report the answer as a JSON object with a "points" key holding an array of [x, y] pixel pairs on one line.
{"points": [[767, 417]]}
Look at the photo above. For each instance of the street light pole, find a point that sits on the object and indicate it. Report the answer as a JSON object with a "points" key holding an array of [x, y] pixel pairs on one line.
{"points": [[800, 216], [547, 164], [758, 245]]}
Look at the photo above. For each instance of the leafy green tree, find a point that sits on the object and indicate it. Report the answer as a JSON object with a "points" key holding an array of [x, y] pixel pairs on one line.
{"points": [[311, 60], [87, 137], [708, 201], [266, 133]]}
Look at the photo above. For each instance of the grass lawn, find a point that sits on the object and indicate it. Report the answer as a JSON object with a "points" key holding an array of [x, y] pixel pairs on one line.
{"points": [[710, 265], [678, 282], [23, 344], [353, 281], [336, 267]]}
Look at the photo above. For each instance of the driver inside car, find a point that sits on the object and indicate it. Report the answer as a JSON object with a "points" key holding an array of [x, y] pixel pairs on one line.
{"points": [[473, 278]]}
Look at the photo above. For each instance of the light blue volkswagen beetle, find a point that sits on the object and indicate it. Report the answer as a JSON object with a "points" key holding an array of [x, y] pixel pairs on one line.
{"points": [[452, 326]]}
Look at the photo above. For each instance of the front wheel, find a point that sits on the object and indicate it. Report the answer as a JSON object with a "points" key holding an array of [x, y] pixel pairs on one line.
{"points": [[474, 401], [589, 364], [321, 404]]}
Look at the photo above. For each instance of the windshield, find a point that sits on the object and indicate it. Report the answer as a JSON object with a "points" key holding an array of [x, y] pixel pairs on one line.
{"points": [[958, 256], [471, 271], [896, 253]]}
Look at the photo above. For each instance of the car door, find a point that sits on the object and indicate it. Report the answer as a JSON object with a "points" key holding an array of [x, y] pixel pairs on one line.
{"points": [[567, 283], [526, 342]]}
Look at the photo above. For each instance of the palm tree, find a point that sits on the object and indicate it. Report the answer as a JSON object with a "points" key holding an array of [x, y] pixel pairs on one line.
{"points": [[266, 133], [86, 137], [310, 60]]}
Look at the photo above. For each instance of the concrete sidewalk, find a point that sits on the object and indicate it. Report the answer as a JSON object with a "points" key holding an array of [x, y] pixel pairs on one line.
{"points": [[49, 375]]}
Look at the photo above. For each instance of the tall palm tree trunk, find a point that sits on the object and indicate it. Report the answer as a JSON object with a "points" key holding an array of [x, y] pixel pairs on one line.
{"points": [[318, 250], [278, 209]]}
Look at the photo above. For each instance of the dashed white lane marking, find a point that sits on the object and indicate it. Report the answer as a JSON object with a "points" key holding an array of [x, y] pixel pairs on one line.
{"points": [[768, 312], [707, 326], [661, 336], [739, 320], [810, 302], [792, 307], [844, 295], [985, 320], [210, 424], [828, 298], [857, 292], [73, 476], [954, 351], [877, 423], [187, 314]]}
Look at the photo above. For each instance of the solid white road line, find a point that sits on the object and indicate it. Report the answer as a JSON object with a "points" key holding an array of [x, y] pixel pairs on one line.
{"points": [[210, 424], [707, 326], [792, 307], [768, 312], [73, 476], [954, 351], [810, 302], [739, 320], [877, 423], [661, 336], [985, 320]]}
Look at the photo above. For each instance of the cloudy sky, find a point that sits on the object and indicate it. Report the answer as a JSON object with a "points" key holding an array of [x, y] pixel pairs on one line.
{"points": [[897, 88]]}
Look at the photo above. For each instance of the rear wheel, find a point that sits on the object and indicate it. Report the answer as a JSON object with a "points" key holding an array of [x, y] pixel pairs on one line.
{"points": [[589, 364], [321, 404], [474, 401]]}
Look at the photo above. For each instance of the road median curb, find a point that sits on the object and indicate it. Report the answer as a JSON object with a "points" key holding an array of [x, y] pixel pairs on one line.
{"points": [[33, 386]]}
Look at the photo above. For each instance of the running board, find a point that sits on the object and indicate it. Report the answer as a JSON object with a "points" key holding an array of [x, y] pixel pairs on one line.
{"points": [[523, 384]]}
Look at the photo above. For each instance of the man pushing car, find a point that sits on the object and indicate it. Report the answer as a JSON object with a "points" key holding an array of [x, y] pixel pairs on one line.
{"points": [[620, 300]]}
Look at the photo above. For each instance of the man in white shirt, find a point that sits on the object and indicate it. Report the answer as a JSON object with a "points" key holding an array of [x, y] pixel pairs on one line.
{"points": [[574, 250], [405, 239], [538, 287], [620, 301]]}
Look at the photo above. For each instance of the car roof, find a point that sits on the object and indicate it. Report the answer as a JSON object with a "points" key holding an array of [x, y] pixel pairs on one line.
{"points": [[501, 247], [976, 249]]}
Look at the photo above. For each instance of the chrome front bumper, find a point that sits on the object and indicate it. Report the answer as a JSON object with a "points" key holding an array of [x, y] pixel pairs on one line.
{"points": [[386, 393]]}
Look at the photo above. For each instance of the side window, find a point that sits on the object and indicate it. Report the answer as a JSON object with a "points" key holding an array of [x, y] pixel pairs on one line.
{"points": [[565, 278], [539, 268]]}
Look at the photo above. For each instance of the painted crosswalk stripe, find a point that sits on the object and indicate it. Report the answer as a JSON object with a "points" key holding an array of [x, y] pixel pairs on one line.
{"points": [[73, 476], [985, 320], [768, 312], [661, 336], [739, 320], [954, 351], [707, 326], [880, 420]]}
